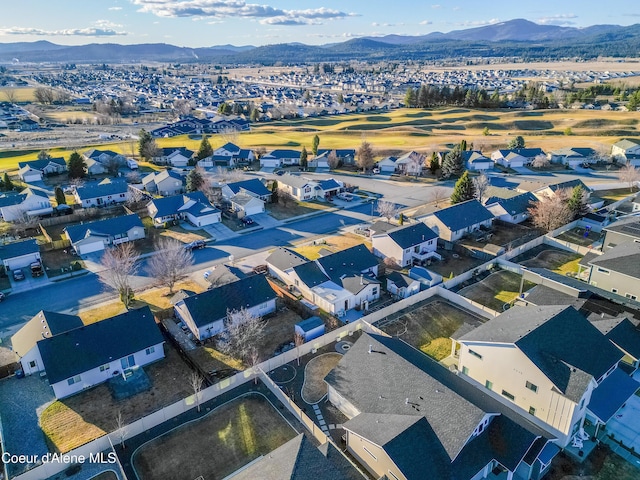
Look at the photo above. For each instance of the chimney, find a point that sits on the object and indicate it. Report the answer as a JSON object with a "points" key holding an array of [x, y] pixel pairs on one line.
{"points": [[361, 280], [370, 347], [406, 401]]}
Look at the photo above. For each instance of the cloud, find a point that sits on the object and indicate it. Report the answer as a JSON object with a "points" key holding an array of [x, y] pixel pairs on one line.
{"points": [[455, 9], [562, 19], [266, 14], [386, 24], [106, 24], [115, 9], [67, 32], [426, 22], [436, 6], [479, 23]]}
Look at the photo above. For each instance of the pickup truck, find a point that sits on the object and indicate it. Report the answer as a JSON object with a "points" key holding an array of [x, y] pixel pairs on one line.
{"points": [[36, 269]]}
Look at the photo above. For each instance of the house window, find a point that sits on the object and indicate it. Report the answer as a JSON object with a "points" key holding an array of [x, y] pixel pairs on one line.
{"points": [[631, 297], [374, 291], [614, 290], [372, 455], [465, 370], [104, 367], [430, 242], [532, 411], [603, 270], [73, 380], [393, 475], [532, 387], [488, 385], [150, 350], [32, 364], [475, 354], [508, 395]]}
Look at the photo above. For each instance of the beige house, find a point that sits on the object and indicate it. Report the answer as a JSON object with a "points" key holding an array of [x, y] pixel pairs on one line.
{"points": [[455, 222], [406, 244], [618, 270]]}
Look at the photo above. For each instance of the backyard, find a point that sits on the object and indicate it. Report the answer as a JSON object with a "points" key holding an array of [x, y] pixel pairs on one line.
{"points": [[229, 437], [335, 244], [430, 326], [554, 259], [76, 420], [314, 388], [497, 290], [580, 236], [453, 264]]}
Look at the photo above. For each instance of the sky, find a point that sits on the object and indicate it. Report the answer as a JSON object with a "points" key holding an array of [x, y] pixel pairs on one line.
{"points": [[201, 23]]}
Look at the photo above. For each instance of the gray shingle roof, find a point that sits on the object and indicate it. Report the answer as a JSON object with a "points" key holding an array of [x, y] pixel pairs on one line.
{"points": [[310, 274], [354, 259], [167, 206], [96, 190], [44, 324], [627, 336], [514, 205], [628, 226], [624, 259], [212, 305], [254, 186], [283, 259], [18, 249], [611, 394], [524, 152], [411, 235], [81, 349], [463, 215], [107, 227], [40, 164], [558, 340]]}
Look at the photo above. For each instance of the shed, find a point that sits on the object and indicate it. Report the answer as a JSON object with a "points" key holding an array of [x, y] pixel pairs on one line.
{"points": [[310, 328]]}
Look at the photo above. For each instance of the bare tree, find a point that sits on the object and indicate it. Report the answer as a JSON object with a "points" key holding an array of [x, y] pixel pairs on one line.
{"points": [[120, 264], [195, 381], [10, 94], [62, 96], [364, 156], [170, 263], [285, 198], [226, 175], [603, 152], [416, 161], [438, 194], [133, 177], [482, 184], [112, 165], [243, 332], [540, 161], [182, 106], [23, 222], [629, 175], [298, 340], [229, 135], [551, 212], [386, 209], [253, 360], [120, 429], [332, 160]]}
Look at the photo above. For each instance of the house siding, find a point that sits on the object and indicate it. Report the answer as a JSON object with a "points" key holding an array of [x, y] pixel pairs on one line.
{"points": [[378, 466], [32, 355], [623, 284]]}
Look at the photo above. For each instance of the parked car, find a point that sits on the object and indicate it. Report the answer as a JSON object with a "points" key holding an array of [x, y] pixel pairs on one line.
{"points": [[196, 245], [279, 172], [36, 269], [18, 275], [376, 171], [247, 220]]}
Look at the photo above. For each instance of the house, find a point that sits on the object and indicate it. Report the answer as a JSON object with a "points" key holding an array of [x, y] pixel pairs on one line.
{"points": [[19, 254], [302, 188], [411, 419], [107, 192], [540, 360], [35, 170], [96, 236], [573, 157], [29, 202], [401, 285], [245, 205], [406, 244], [425, 276], [387, 165], [75, 357], [94, 167], [618, 270], [310, 328], [174, 156], [281, 263], [476, 161], [320, 161], [549, 191], [345, 155], [104, 156], [516, 158], [514, 209], [452, 223], [234, 153], [626, 151], [279, 158], [205, 313], [165, 183], [253, 187], [410, 163], [621, 231], [336, 282], [193, 207]]}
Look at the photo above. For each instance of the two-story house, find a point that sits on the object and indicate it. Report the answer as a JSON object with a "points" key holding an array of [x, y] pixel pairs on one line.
{"points": [[621, 231], [617, 270], [626, 151], [165, 183], [541, 361], [452, 223], [96, 236], [107, 192], [406, 244]]}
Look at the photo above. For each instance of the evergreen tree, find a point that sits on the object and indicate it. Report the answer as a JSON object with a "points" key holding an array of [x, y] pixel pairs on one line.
{"points": [[423, 97], [434, 163], [144, 141], [274, 192], [60, 198], [463, 145], [463, 190], [43, 155], [76, 166], [453, 164], [255, 115], [304, 158], [205, 150], [8, 184], [410, 98], [315, 143], [195, 180], [340, 98], [577, 202], [515, 143]]}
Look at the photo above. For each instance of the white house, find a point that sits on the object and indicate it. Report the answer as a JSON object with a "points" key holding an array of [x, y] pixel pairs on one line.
{"points": [[75, 357], [96, 236], [165, 183], [193, 207], [410, 163], [245, 205], [303, 188], [573, 157], [205, 313], [281, 263], [626, 151], [476, 161], [107, 192], [452, 223], [29, 202], [513, 209], [401, 285], [406, 244], [515, 158], [280, 158], [174, 156], [387, 165], [19, 254], [253, 187], [35, 170]]}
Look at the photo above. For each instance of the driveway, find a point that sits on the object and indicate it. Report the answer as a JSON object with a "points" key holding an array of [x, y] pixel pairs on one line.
{"points": [[265, 220], [626, 424], [29, 282], [219, 231]]}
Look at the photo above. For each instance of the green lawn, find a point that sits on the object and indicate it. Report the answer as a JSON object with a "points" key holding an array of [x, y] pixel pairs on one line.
{"points": [[229, 437]]}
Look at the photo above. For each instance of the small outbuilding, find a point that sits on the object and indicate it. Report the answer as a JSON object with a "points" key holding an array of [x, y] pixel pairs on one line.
{"points": [[310, 328]]}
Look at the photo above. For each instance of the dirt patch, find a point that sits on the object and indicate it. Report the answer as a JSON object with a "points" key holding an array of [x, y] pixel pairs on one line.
{"points": [[229, 437], [314, 388], [550, 259], [496, 290], [335, 244]]}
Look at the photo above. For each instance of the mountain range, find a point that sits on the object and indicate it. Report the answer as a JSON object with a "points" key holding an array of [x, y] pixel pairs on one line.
{"points": [[514, 38]]}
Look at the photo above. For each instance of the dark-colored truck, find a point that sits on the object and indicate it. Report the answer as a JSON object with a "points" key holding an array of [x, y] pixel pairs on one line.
{"points": [[36, 269]]}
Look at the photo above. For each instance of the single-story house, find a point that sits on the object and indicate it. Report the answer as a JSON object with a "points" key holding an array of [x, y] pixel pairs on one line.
{"points": [[320, 161], [75, 357], [104, 156], [310, 328], [174, 156], [280, 157], [406, 244], [96, 236], [34, 170], [387, 165], [346, 155], [165, 183], [205, 313], [475, 160], [573, 157], [234, 153], [107, 192], [303, 188], [94, 167], [19, 254], [627, 151], [425, 276], [281, 263], [245, 205], [253, 187], [29, 202], [193, 207], [401, 285], [514, 209], [452, 223], [515, 158]]}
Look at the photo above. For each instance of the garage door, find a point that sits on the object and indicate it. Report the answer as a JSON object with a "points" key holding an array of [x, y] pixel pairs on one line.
{"points": [[90, 247], [34, 177], [21, 262]]}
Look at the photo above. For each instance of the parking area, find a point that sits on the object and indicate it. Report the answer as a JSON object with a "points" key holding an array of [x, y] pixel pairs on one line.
{"points": [[28, 282], [219, 231]]}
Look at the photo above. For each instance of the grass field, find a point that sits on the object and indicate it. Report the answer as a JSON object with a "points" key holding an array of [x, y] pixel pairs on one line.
{"points": [[429, 326], [496, 290], [228, 438], [22, 94]]}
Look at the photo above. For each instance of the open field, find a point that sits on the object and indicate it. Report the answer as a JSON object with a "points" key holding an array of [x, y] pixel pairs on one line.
{"points": [[496, 290], [229, 437], [429, 326], [76, 420], [22, 94]]}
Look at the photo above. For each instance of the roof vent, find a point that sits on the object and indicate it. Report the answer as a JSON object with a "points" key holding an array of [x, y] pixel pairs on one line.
{"points": [[406, 401], [370, 347]]}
